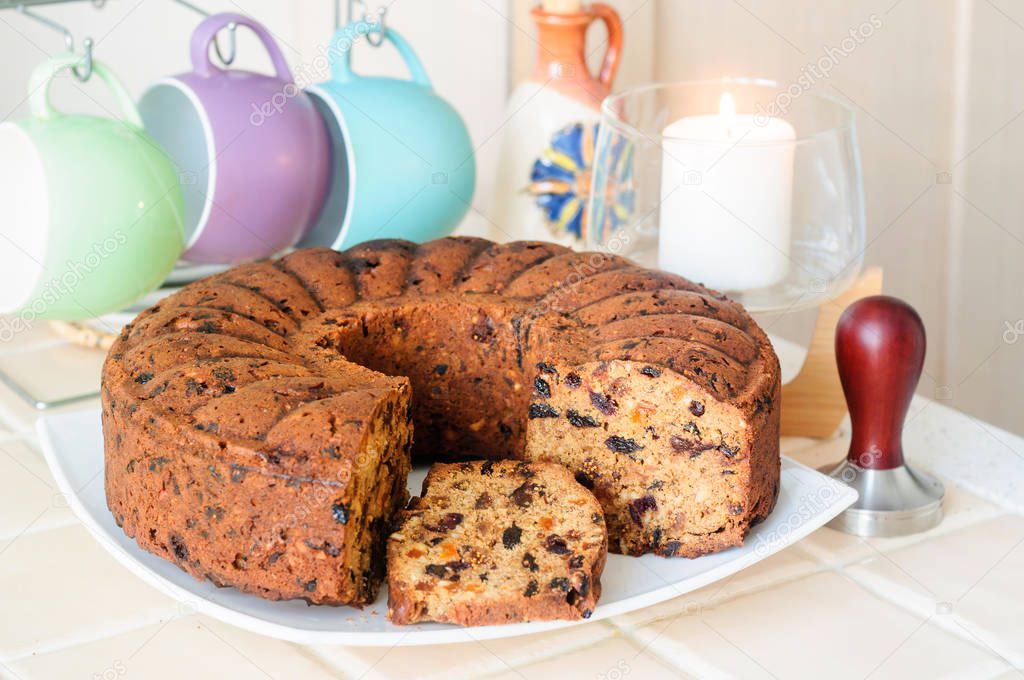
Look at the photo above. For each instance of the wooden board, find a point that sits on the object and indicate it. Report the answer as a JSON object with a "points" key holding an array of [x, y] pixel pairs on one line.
{"points": [[812, 403]]}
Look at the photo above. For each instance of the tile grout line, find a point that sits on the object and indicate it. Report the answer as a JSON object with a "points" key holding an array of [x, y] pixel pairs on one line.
{"points": [[984, 492], [73, 642], [307, 652], [910, 541], [606, 624], [18, 428], [702, 669], [892, 593], [822, 566], [725, 599], [573, 647], [870, 584], [626, 631], [629, 631], [35, 531], [698, 666], [325, 660]]}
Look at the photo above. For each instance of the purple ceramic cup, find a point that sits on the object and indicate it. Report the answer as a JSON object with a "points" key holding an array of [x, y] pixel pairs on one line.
{"points": [[252, 151]]}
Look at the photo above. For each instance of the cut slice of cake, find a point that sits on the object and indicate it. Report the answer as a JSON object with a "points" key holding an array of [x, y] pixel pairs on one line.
{"points": [[497, 542], [678, 472]]}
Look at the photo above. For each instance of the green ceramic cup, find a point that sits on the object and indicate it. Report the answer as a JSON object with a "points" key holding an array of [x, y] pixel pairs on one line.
{"points": [[92, 207]]}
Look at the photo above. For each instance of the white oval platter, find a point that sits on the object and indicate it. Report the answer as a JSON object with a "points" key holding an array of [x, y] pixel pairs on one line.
{"points": [[73, 445]]}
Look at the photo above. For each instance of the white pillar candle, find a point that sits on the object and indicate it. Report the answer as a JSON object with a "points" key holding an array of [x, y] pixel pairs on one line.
{"points": [[726, 190]]}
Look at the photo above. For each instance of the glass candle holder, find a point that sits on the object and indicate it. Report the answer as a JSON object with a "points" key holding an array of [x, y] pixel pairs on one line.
{"points": [[746, 186]]}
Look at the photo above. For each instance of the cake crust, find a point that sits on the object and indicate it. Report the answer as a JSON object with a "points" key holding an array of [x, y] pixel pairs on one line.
{"points": [[245, 415]]}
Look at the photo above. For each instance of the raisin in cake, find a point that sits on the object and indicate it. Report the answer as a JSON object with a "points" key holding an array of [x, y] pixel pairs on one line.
{"points": [[257, 423], [497, 542]]}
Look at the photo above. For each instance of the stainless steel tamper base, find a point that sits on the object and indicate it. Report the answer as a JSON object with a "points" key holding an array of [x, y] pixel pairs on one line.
{"points": [[892, 502]]}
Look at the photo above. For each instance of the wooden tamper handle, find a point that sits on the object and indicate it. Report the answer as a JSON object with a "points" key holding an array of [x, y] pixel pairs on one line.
{"points": [[880, 346]]}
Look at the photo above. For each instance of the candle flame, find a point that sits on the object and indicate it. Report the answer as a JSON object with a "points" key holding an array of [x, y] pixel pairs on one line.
{"points": [[726, 105]]}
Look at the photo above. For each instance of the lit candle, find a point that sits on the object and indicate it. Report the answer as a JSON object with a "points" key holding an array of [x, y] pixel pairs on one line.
{"points": [[726, 190]]}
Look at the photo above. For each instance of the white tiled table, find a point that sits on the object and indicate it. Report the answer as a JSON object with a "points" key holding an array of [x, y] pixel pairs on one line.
{"points": [[948, 603]]}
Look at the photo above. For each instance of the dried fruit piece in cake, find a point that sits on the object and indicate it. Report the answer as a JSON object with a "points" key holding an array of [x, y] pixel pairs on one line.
{"points": [[497, 542], [679, 469]]}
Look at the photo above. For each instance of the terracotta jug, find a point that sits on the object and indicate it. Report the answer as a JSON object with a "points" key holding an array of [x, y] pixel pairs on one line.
{"points": [[543, 178]]}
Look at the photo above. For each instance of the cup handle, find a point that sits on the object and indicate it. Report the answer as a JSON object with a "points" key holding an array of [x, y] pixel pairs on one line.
{"points": [[341, 59], [41, 78], [613, 55], [207, 30]]}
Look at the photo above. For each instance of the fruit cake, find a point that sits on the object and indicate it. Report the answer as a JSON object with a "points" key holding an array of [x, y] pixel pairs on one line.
{"points": [[257, 423], [492, 542]]}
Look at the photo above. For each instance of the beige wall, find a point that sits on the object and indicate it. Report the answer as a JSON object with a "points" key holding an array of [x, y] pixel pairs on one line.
{"points": [[985, 358]]}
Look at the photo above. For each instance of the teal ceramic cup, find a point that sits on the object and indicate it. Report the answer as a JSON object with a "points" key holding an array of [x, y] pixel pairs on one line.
{"points": [[402, 161], [93, 207]]}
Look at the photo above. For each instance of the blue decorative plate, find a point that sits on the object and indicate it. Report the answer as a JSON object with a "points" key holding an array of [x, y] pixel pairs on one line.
{"points": [[560, 180]]}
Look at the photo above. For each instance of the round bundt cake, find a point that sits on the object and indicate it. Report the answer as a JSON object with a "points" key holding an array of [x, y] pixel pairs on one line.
{"points": [[258, 424]]}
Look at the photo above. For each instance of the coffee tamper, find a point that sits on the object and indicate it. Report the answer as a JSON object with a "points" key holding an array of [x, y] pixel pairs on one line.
{"points": [[880, 345]]}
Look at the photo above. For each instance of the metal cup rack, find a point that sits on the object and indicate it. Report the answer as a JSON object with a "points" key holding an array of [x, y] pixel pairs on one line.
{"points": [[358, 11], [84, 70]]}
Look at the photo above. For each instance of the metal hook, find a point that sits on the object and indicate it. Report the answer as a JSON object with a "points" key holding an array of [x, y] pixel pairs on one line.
{"points": [[376, 38], [82, 71], [232, 45], [228, 59]]}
